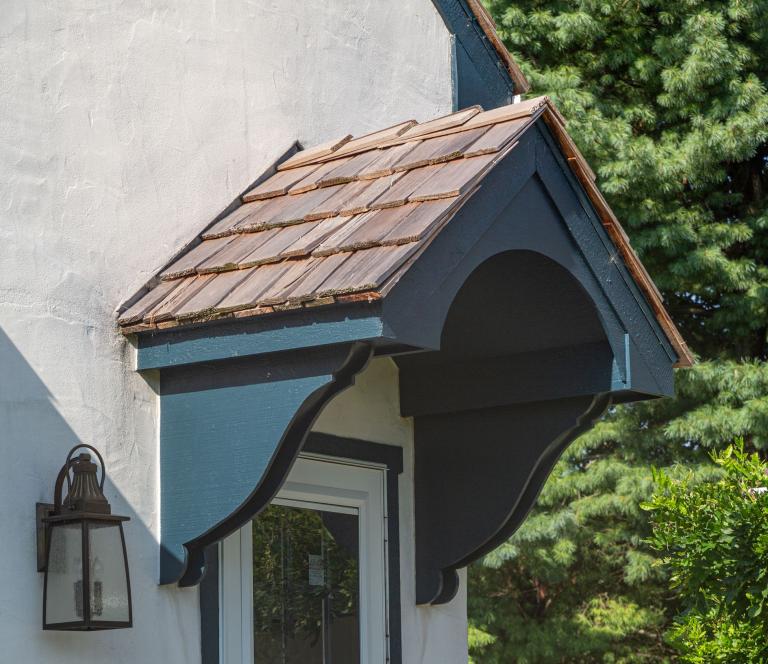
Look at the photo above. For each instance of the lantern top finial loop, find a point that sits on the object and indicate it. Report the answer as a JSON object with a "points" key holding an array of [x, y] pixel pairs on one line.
{"points": [[84, 492]]}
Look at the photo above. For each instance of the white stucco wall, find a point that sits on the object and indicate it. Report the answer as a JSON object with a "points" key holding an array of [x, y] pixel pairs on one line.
{"points": [[124, 128], [370, 410]]}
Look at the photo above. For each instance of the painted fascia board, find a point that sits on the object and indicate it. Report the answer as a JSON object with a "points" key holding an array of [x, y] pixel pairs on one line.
{"points": [[586, 178], [299, 331], [591, 213]]}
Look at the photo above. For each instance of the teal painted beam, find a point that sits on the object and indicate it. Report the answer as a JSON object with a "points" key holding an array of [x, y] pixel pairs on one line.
{"points": [[474, 383], [210, 480], [260, 336], [479, 74]]}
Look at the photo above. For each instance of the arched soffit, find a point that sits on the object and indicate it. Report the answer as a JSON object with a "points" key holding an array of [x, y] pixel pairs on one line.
{"points": [[519, 312], [523, 368], [519, 302], [521, 254]]}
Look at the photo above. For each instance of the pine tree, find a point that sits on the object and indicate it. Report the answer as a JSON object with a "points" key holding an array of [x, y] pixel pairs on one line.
{"points": [[668, 102]]}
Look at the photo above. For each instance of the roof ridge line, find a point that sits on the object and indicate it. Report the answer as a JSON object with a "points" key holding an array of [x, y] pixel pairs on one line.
{"points": [[528, 108]]}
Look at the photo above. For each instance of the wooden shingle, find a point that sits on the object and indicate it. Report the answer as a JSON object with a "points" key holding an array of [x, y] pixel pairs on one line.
{"points": [[279, 183], [365, 270], [438, 150], [308, 242], [422, 220], [446, 122], [148, 301], [233, 254], [335, 222], [315, 153], [451, 179], [227, 225], [374, 139], [496, 138], [318, 177], [386, 160], [247, 293], [405, 186], [187, 263]]}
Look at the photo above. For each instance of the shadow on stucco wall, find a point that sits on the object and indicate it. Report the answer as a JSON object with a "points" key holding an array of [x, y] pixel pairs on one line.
{"points": [[34, 441]]}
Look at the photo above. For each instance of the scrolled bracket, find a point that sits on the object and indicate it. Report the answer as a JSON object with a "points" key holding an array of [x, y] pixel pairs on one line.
{"points": [[230, 436], [478, 473]]}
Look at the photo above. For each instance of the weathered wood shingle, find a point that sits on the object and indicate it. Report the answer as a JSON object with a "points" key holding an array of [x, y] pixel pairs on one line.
{"points": [[344, 217]]}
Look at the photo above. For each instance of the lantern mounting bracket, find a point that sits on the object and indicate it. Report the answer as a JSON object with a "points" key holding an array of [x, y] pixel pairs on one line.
{"points": [[42, 512]]}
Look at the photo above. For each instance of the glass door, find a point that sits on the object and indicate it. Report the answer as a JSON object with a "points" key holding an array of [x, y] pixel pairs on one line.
{"points": [[305, 581], [306, 600]]}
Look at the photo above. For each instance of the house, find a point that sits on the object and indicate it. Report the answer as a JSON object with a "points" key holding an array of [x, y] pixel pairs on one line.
{"points": [[330, 299]]}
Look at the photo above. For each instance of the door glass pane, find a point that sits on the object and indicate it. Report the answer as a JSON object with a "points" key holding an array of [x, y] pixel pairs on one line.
{"points": [[305, 587]]}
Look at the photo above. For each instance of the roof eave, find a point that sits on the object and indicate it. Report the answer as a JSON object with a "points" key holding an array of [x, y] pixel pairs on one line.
{"points": [[586, 178]]}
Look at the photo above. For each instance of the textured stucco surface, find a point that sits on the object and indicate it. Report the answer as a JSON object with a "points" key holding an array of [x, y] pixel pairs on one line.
{"points": [[124, 128], [370, 410]]}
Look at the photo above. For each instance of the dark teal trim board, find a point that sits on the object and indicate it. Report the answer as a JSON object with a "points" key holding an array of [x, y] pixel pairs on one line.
{"points": [[463, 514], [261, 336], [228, 437], [480, 76]]}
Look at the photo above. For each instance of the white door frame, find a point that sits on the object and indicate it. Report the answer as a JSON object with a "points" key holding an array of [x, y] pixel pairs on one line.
{"points": [[336, 485]]}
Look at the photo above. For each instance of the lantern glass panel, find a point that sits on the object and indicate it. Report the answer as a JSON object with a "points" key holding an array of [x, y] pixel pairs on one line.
{"points": [[64, 593], [108, 584]]}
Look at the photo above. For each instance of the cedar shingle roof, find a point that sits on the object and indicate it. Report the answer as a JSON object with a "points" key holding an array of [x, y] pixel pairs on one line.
{"points": [[339, 221]]}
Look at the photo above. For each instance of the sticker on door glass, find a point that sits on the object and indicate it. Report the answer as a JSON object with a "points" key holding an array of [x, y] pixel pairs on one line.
{"points": [[316, 570]]}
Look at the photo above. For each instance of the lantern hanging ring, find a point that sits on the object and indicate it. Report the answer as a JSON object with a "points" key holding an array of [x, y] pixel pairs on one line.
{"points": [[64, 473]]}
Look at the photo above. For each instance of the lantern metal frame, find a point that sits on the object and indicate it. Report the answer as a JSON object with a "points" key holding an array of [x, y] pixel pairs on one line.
{"points": [[84, 509]]}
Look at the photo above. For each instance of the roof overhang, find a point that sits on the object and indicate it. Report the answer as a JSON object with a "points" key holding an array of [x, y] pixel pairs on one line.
{"points": [[521, 316]]}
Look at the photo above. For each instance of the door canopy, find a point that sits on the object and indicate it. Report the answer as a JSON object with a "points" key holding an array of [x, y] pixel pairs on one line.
{"points": [[476, 250]]}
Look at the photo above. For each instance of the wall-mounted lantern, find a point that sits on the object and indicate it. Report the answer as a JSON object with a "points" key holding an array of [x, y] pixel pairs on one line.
{"points": [[81, 549]]}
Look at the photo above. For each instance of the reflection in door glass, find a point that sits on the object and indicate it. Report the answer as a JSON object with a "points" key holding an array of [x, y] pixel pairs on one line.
{"points": [[305, 587]]}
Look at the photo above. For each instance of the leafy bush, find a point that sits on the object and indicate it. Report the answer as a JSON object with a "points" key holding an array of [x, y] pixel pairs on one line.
{"points": [[713, 537]]}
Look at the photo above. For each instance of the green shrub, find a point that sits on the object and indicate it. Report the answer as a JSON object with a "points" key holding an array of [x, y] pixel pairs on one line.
{"points": [[713, 538]]}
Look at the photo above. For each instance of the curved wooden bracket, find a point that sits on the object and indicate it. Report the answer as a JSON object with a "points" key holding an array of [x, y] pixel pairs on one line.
{"points": [[263, 409], [477, 475]]}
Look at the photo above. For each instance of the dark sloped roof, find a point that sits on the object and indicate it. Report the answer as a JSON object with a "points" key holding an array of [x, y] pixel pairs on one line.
{"points": [[340, 221]]}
